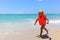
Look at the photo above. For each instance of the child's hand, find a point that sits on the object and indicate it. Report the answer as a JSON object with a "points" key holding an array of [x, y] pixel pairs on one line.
{"points": [[34, 23], [47, 22]]}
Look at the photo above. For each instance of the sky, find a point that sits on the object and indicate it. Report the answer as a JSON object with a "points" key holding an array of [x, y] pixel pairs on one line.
{"points": [[29, 6]]}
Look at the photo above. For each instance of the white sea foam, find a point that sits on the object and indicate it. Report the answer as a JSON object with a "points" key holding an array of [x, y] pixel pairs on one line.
{"points": [[54, 21], [50, 21]]}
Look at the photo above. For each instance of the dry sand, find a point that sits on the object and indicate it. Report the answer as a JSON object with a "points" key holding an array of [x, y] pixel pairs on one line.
{"points": [[30, 34]]}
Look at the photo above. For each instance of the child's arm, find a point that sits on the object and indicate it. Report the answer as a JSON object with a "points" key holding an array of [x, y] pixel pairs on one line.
{"points": [[36, 21], [47, 21]]}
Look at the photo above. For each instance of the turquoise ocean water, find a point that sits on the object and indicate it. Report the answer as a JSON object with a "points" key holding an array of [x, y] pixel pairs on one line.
{"points": [[25, 17], [19, 21]]}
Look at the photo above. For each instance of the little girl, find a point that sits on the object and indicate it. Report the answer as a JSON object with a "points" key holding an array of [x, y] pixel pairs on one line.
{"points": [[42, 21]]}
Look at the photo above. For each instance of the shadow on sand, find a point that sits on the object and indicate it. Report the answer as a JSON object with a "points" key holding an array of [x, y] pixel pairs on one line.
{"points": [[45, 36]]}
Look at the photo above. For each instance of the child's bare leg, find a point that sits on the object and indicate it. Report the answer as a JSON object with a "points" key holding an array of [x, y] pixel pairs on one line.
{"points": [[46, 30], [41, 31]]}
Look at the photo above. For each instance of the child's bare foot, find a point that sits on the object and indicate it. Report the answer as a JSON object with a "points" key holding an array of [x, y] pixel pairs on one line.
{"points": [[40, 36]]}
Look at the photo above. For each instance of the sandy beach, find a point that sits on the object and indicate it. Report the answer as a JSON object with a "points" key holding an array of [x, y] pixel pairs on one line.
{"points": [[21, 29], [30, 34]]}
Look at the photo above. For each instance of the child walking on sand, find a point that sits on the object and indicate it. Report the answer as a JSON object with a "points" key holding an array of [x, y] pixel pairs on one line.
{"points": [[42, 21]]}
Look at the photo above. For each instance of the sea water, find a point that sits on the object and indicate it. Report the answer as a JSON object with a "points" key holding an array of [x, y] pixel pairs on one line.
{"points": [[10, 22]]}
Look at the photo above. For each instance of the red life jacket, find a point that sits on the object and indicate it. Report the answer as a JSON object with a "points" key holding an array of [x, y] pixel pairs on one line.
{"points": [[42, 20]]}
